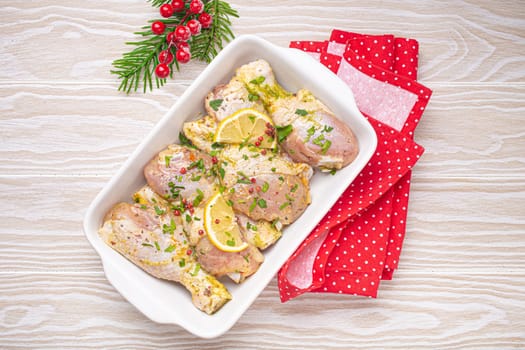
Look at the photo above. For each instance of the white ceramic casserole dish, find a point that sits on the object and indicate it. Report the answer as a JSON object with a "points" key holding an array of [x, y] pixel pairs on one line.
{"points": [[168, 302]]}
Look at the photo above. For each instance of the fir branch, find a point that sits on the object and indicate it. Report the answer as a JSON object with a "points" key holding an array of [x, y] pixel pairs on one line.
{"points": [[207, 45], [159, 3], [137, 67]]}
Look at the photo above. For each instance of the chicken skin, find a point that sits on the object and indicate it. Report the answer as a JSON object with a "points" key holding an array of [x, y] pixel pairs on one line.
{"points": [[275, 182], [181, 172], [149, 235], [227, 99], [318, 137], [191, 177]]}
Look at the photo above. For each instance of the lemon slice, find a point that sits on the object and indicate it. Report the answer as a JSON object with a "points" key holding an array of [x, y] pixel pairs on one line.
{"points": [[246, 126], [221, 227]]}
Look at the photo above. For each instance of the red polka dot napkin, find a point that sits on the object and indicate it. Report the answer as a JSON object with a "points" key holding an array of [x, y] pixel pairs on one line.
{"points": [[359, 241]]}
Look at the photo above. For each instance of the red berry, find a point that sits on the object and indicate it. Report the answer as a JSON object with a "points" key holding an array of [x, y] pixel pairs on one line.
{"points": [[263, 152], [214, 160], [196, 6], [166, 10], [253, 180], [250, 190], [158, 27], [165, 56], [194, 26], [205, 19], [182, 170], [182, 33], [258, 188], [189, 251], [201, 232], [257, 143], [178, 5], [183, 56], [217, 221], [162, 71], [192, 211], [170, 37], [176, 212], [183, 45]]}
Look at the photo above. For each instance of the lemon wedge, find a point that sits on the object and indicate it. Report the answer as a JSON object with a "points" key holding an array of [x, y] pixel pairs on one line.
{"points": [[246, 126], [221, 226]]}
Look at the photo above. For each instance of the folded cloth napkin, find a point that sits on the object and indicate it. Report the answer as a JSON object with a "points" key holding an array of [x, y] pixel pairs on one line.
{"points": [[359, 240]]}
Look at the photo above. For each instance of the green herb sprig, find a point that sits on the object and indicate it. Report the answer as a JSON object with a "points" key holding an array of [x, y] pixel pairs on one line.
{"points": [[137, 67]]}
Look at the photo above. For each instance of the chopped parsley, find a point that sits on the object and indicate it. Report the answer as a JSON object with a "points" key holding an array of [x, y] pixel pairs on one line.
{"points": [[294, 188], [301, 112], [262, 203], [231, 242], [322, 142], [184, 141], [310, 132], [328, 128], [188, 218], [253, 97], [169, 228], [199, 198], [283, 132], [167, 160], [284, 205], [250, 226], [170, 248], [258, 81], [265, 187], [159, 211], [215, 104], [199, 164], [243, 178], [157, 245], [147, 245], [182, 262], [253, 205], [326, 146], [196, 270], [216, 145]]}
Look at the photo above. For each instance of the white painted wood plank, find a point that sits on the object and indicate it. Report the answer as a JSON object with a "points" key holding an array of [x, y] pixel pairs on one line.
{"points": [[419, 311], [460, 41], [453, 224], [92, 129]]}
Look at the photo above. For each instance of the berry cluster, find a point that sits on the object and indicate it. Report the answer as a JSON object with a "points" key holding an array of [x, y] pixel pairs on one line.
{"points": [[193, 21]]}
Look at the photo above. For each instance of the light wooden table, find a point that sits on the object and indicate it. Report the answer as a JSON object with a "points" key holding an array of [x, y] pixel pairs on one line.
{"points": [[65, 130]]}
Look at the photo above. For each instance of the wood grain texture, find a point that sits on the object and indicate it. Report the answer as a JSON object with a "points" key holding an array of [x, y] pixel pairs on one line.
{"points": [[466, 131], [65, 130], [452, 223], [460, 40], [423, 312]]}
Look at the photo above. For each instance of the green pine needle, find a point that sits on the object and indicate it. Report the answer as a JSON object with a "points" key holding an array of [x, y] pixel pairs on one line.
{"points": [[137, 67]]}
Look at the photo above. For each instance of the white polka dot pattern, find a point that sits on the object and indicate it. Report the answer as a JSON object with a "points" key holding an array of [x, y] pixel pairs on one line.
{"points": [[359, 241]]}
